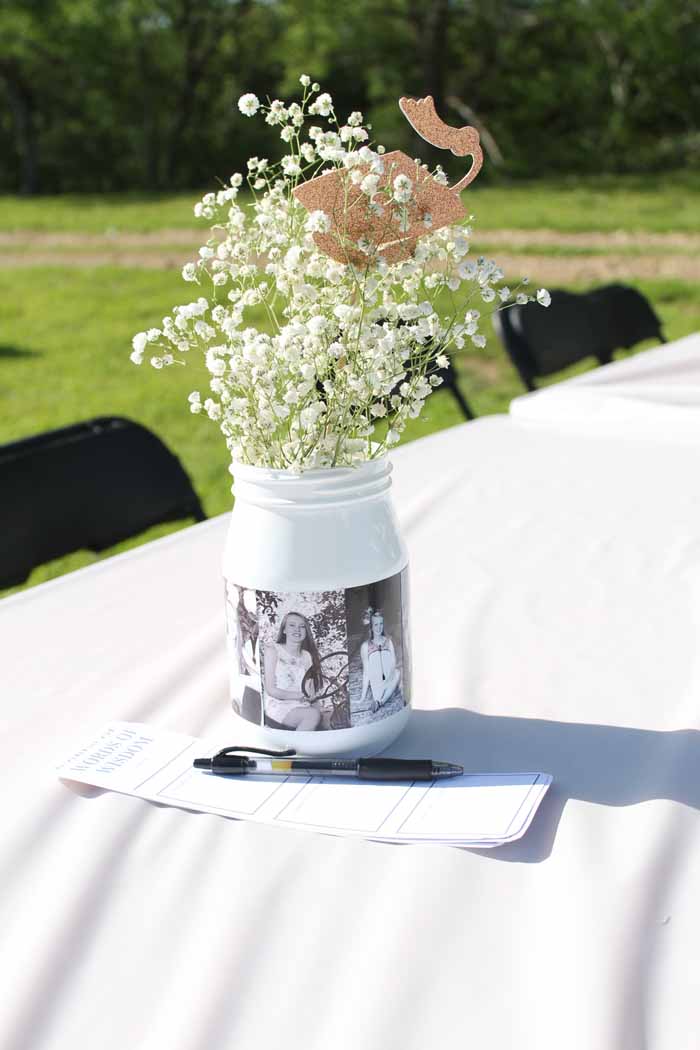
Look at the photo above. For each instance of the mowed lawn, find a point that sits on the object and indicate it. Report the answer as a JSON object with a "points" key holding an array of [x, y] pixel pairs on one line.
{"points": [[65, 331], [606, 203]]}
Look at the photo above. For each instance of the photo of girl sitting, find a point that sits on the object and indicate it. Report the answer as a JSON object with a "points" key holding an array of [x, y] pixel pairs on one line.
{"points": [[292, 676]]}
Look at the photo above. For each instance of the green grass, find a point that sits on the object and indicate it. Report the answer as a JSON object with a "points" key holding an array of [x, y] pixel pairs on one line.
{"points": [[64, 344], [603, 203], [100, 213], [606, 204]]}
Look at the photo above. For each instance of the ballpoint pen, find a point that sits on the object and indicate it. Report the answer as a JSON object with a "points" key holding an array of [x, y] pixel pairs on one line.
{"points": [[236, 761]]}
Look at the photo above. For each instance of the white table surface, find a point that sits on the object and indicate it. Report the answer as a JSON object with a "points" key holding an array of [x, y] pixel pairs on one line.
{"points": [[657, 390], [556, 626]]}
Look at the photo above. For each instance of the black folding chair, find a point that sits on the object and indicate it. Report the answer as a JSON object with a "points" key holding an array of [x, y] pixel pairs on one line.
{"points": [[86, 486], [625, 315], [541, 341]]}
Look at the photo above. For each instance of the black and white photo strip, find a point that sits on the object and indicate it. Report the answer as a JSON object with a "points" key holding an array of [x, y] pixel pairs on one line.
{"points": [[379, 659], [242, 646], [319, 660]]}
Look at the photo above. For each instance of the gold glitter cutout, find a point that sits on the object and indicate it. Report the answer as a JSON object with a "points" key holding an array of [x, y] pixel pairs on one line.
{"points": [[364, 227]]}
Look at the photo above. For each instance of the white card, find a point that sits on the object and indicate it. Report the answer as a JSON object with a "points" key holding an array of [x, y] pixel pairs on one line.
{"points": [[474, 809]]}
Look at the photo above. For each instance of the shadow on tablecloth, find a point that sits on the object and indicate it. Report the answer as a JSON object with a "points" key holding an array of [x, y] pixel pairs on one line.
{"points": [[603, 765]]}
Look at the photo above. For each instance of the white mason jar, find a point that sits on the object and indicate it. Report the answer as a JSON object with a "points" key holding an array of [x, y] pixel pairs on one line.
{"points": [[317, 610]]}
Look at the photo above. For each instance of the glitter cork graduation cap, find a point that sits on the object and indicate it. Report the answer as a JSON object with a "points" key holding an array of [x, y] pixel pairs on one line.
{"points": [[364, 226]]}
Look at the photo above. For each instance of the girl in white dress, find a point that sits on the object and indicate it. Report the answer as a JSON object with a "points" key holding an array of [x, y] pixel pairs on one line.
{"points": [[288, 699], [379, 670]]}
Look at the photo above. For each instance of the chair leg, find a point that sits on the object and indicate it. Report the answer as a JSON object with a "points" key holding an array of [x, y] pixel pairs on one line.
{"points": [[460, 399], [525, 378]]}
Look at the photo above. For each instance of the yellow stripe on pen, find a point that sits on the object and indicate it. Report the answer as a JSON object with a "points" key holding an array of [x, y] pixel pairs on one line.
{"points": [[281, 765]]}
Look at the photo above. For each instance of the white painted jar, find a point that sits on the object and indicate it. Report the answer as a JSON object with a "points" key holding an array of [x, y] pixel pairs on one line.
{"points": [[317, 610]]}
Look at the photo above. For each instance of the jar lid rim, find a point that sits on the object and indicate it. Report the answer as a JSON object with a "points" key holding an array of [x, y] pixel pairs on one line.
{"points": [[247, 471]]}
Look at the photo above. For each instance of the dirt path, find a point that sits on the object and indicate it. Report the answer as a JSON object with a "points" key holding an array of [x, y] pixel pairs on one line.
{"points": [[552, 269], [544, 269], [618, 255], [160, 260], [36, 240], [191, 238], [616, 239]]}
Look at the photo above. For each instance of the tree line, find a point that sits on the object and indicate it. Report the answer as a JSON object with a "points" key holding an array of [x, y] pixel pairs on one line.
{"points": [[99, 95]]}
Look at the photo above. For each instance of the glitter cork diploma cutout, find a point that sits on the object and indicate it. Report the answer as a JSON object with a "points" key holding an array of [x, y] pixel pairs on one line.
{"points": [[404, 202]]}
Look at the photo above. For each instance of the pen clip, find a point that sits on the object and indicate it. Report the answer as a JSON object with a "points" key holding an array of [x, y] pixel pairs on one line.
{"points": [[254, 750]]}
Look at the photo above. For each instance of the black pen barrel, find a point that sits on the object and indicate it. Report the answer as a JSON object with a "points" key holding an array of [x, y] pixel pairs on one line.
{"points": [[395, 769]]}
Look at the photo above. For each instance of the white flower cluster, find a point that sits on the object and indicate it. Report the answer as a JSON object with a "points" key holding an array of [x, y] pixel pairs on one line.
{"points": [[313, 362]]}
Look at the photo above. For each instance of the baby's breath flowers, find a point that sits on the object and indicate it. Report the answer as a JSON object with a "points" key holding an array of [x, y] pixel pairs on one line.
{"points": [[249, 105], [314, 362]]}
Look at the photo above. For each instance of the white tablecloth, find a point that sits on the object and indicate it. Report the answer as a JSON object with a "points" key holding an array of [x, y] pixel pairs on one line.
{"points": [[657, 390], [556, 626]]}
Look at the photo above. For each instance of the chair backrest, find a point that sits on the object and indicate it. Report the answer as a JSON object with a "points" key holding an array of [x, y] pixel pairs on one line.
{"points": [[593, 324], [543, 340], [625, 315], [85, 486]]}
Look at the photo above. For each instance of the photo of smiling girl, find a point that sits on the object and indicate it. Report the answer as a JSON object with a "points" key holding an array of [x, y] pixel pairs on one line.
{"points": [[293, 676], [303, 660], [380, 674]]}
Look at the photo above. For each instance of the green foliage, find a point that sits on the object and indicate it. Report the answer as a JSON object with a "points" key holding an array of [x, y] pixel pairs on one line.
{"points": [[140, 94]]}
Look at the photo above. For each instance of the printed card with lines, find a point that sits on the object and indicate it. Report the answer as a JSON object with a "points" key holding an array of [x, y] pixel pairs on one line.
{"points": [[472, 810]]}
